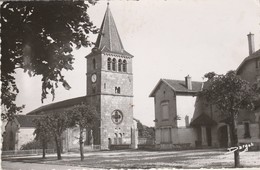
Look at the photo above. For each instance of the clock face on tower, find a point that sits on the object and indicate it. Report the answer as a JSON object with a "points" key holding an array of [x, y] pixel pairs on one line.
{"points": [[94, 78]]}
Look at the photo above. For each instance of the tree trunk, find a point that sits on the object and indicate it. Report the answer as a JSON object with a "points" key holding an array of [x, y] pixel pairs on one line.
{"points": [[81, 143], [58, 147], [43, 148], [234, 140]]}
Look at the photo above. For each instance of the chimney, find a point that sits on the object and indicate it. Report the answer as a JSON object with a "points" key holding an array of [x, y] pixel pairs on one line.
{"points": [[188, 82], [187, 122], [251, 43]]}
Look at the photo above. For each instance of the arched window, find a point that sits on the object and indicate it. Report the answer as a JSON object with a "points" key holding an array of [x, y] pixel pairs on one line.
{"points": [[109, 143], [109, 63], [94, 63], [120, 65], [124, 66], [115, 139], [120, 138], [114, 64]]}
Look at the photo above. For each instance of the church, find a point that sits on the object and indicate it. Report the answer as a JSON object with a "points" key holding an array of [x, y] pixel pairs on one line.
{"points": [[109, 89]]}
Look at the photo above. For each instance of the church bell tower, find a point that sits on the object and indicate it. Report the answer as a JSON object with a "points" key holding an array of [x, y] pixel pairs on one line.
{"points": [[110, 86]]}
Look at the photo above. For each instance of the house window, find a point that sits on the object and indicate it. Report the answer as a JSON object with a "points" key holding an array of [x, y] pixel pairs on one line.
{"points": [[109, 63], [119, 65], [94, 63], [124, 66], [114, 64], [165, 135], [165, 110], [247, 130]]}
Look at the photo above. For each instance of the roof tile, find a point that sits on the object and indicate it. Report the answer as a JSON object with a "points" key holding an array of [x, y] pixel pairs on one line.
{"points": [[251, 57], [57, 105], [180, 86], [26, 120], [203, 120]]}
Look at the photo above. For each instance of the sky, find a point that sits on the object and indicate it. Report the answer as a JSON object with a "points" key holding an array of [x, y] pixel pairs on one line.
{"points": [[169, 39]]}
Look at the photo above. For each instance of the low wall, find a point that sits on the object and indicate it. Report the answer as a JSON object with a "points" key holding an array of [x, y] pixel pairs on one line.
{"points": [[86, 148], [14, 153], [145, 141], [146, 146], [180, 138], [185, 136], [119, 147]]}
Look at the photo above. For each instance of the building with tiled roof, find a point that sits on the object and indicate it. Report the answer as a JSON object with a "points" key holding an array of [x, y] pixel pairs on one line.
{"points": [[25, 120], [254, 58], [169, 119], [249, 121], [180, 87], [59, 105], [208, 127], [18, 131]]}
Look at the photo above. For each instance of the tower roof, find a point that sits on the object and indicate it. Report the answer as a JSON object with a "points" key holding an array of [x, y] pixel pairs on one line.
{"points": [[108, 39]]}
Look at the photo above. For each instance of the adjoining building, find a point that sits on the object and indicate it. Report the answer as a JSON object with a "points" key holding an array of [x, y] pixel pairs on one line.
{"points": [[18, 132], [169, 134], [249, 121], [207, 127]]}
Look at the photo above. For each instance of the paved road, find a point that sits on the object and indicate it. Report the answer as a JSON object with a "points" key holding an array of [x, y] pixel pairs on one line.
{"points": [[7, 165]]}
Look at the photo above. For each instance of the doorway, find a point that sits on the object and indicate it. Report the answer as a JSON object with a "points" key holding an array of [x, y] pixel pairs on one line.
{"points": [[109, 143], [223, 136], [208, 133]]}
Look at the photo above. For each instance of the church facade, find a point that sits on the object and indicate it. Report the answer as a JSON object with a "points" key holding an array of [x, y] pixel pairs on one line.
{"points": [[109, 89], [110, 85]]}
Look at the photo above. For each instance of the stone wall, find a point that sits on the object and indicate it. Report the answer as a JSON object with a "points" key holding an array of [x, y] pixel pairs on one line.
{"points": [[15, 136], [181, 138], [24, 135], [184, 136], [10, 137], [110, 130]]}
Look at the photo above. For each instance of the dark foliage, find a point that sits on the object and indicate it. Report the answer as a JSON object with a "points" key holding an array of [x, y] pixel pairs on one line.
{"points": [[230, 94], [42, 133], [145, 131], [38, 37], [84, 117], [32, 145]]}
